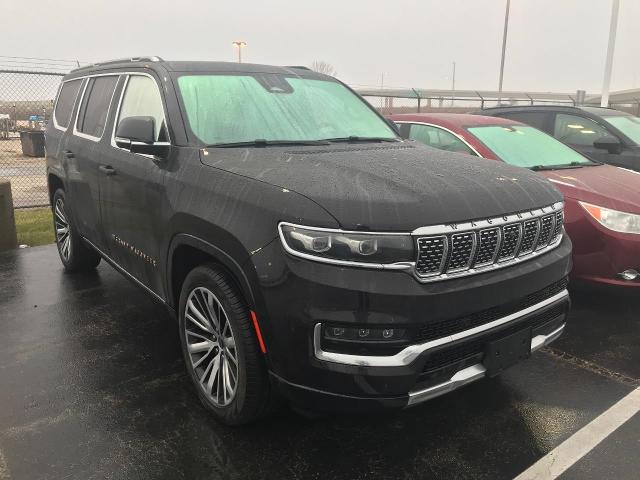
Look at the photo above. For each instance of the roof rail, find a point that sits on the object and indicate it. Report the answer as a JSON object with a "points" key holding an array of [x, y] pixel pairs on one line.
{"points": [[121, 60], [301, 67]]}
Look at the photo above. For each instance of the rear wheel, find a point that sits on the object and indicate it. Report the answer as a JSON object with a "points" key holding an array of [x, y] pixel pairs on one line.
{"points": [[220, 348], [76, 256]]}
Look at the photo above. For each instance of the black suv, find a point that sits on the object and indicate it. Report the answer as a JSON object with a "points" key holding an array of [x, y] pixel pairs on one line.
{"points": [[305, 248], [603, 134]]}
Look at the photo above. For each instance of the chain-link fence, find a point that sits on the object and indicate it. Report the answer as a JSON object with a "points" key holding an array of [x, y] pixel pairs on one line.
{"points": [[26, 103]]}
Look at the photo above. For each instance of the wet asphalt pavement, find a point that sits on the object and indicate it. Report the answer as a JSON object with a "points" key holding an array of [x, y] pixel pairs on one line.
{"points": [[92, 385]]}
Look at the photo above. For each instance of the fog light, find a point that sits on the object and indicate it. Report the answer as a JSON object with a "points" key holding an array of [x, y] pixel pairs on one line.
{"points": [[630, 274], [337, 332], [363, 332], [360, 335]]}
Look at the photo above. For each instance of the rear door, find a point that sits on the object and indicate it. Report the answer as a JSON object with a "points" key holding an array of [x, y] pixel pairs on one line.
{"points": [[83, 150], [132, 187]]}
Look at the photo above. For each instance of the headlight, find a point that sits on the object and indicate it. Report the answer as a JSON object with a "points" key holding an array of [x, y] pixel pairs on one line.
{"points": [[613, 219], [374, 250]]}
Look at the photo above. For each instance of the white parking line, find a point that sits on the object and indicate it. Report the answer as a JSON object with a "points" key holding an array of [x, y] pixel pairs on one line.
{"points": [[554, 463]]}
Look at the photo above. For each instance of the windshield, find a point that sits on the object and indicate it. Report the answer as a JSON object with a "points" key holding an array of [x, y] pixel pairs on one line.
{"points": [[225, 109], [528, 147], [627, 124]]}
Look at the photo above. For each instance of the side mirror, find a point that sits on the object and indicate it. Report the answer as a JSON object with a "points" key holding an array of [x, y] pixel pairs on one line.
{"points": [[609, 143], [136, 134]]}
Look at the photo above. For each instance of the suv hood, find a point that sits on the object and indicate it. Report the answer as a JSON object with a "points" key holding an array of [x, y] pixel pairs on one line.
{"points": [[604, 185], [391, 187]]}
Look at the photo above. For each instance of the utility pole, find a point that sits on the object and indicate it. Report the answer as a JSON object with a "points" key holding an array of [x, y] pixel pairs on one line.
{"points": [[240, 45], [453, 83], [504, 49], [608, 66]]}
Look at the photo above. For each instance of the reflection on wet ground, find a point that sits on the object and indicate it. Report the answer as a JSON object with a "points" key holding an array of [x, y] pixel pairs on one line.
{"points": [[93, 386]]}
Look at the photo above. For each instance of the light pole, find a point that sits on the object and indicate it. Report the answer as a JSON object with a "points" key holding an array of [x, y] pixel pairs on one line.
{"points": [[453, 83], [608, 66], [504, 49], [240, 45]]}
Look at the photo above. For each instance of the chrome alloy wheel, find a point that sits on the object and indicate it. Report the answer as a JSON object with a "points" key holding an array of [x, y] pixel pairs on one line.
{"points": [[211, 346], [63, 233]]}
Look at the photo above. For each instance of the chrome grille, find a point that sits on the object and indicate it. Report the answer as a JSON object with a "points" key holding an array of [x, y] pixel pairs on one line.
{"points": [[431, 255], [450, 251], [488, 245], [545, 231], [462, 249], [531, 228], [511, 235], [557, 228]]}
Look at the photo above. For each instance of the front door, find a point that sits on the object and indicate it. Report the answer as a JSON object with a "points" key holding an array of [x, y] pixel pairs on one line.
{"points": [[132, 189], [581, 132]]}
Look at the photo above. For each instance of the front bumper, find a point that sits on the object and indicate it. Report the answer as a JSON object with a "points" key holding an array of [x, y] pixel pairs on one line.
{"points": [[298, 295]]}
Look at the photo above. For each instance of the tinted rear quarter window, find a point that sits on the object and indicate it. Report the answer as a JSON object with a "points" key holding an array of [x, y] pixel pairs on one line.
{"points": [[66, 100], [94, 109], [535, 119]]}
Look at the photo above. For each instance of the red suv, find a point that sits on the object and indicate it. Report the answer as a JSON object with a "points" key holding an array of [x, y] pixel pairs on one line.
{"points": [[602, 202]]}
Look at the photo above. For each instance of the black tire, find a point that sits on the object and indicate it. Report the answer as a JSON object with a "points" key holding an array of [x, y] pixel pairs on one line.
{"points": [[75, 254], [254, 396]]}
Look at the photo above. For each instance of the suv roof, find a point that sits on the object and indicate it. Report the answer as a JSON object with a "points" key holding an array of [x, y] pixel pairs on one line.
{"points": [[156, 63], [593, 110]]}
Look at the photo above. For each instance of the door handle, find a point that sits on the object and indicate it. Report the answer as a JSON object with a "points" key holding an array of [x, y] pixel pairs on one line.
{"points": [[69, 154], [107, 169]]}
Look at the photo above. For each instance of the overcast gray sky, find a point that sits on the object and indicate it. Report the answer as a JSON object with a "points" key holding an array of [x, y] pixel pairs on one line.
{"points": [[554, 45]]}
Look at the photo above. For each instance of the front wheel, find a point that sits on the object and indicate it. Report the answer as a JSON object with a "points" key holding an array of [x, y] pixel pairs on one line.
{"points": [[76, 256], [220, 348]]}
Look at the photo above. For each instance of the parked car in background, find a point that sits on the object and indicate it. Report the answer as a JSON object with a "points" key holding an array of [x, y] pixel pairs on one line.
{"points": [[602, 202], [303, 245], [602, 134]]}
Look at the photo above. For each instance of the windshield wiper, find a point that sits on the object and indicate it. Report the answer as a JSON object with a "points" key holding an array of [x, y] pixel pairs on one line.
{"points": [[261, 142], [356, 139], [563, 166]]}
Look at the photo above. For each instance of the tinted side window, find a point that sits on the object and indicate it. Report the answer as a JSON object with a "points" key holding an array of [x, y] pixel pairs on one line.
{"points": [[92, 115], [66, 100], [142, 98], [438, 138], [577, 130], [534, 119]]}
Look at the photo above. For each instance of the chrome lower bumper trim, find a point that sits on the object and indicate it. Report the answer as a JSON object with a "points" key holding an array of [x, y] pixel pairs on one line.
{"points": [[473, 373], [409, 354]]}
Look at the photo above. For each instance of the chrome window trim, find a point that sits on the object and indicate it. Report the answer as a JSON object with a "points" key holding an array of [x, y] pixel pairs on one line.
{"points": [[56, 125], [474, 372], [434, 231], [409, 354], [459, 137], [75, 131], [115, 118]]}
